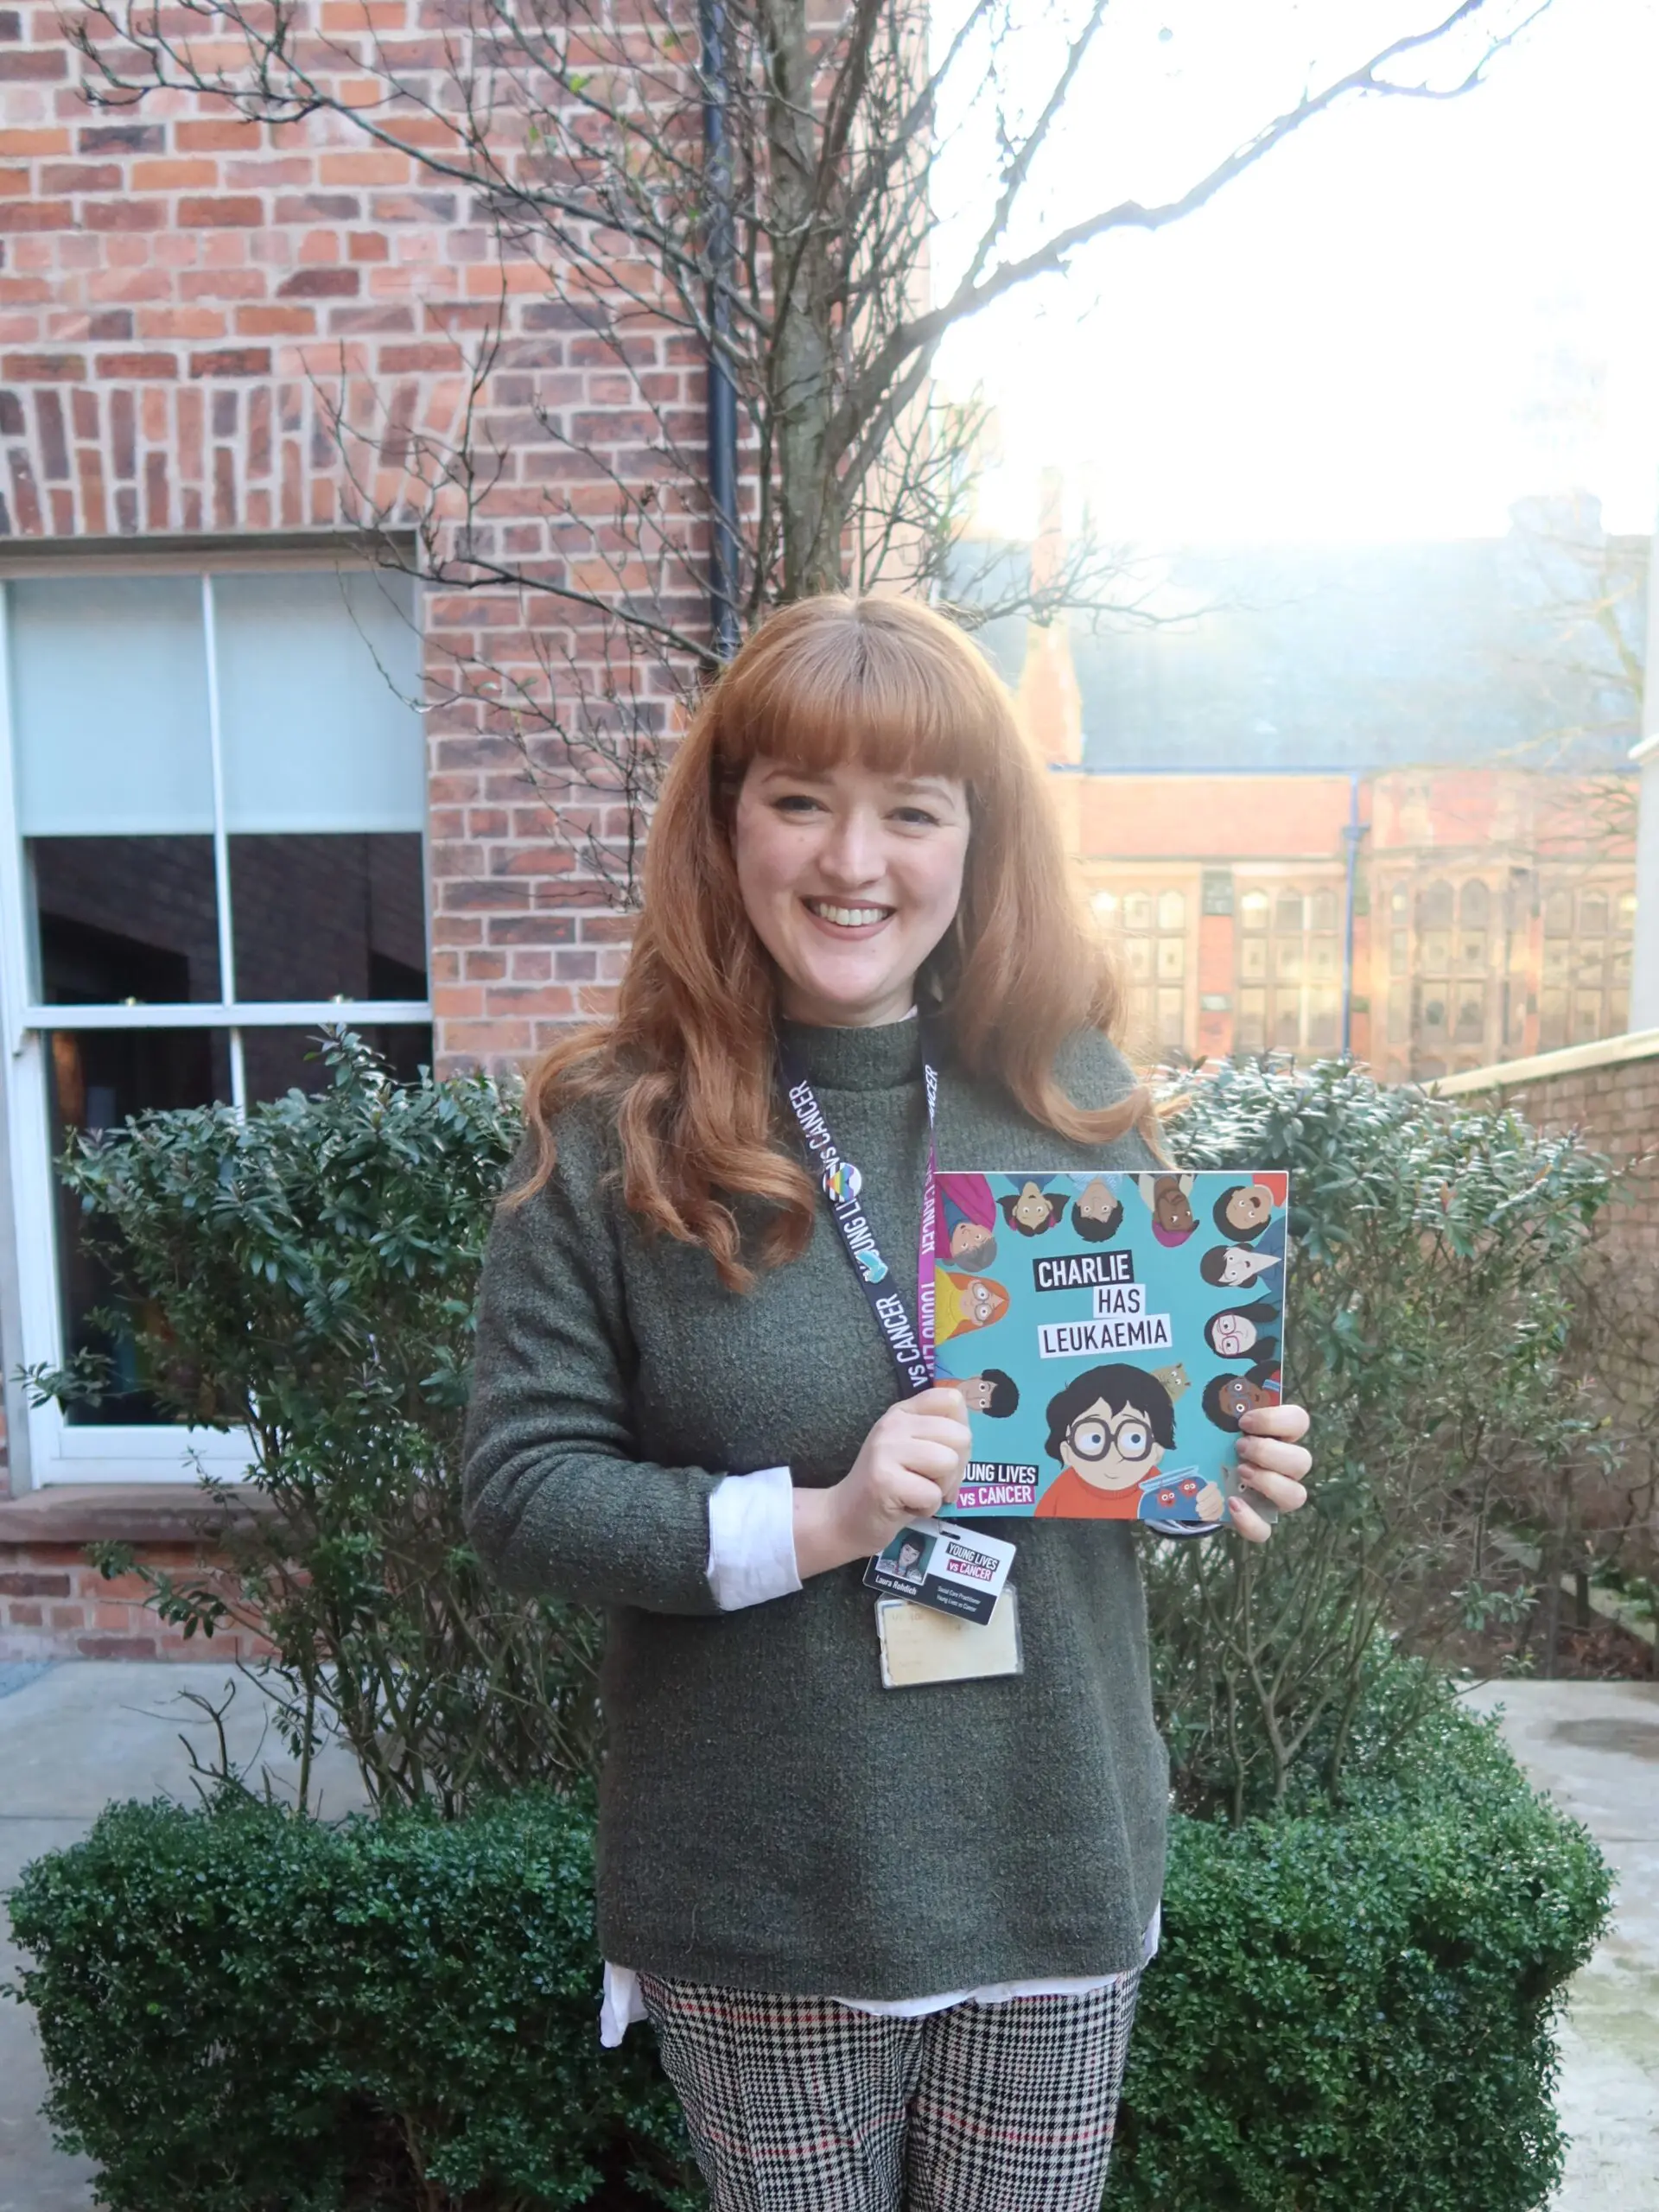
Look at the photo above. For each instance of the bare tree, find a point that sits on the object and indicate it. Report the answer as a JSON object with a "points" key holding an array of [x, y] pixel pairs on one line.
{"points": [[751, 180]]}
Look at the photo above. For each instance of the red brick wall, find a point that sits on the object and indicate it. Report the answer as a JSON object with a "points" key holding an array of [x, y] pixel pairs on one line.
{"points": [[1617, 1108], [55, 1606], [180, 295]]}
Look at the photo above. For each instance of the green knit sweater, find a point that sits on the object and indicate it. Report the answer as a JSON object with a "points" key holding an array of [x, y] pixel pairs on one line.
{"points": [[771, 1817]]}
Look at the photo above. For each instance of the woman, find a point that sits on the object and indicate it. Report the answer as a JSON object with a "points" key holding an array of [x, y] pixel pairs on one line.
{"points": [[890, 1939]]}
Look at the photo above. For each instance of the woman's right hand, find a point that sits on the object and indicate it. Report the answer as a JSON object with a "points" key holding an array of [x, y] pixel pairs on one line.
{"points": [[908, 1466]]}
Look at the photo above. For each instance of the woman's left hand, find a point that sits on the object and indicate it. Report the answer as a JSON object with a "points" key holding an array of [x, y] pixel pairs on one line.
{"points": [[1273, 1459]]}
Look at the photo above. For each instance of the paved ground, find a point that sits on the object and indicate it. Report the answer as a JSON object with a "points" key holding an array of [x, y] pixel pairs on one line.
{"points": [[1595, 1747], [75, 1736], [71, 1739]]}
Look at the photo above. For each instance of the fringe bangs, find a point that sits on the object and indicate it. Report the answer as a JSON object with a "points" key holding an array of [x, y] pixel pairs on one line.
{"points": [[886, 683]]}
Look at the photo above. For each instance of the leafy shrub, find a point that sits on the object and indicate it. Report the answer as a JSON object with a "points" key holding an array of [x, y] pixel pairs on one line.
{"points": [[1431, 1285], [243, 2009], [308, 1273], [1357, 2009]]}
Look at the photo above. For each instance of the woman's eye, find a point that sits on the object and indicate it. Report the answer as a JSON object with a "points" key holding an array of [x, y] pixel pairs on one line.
{"points": [[916, 817], [797, 802]]}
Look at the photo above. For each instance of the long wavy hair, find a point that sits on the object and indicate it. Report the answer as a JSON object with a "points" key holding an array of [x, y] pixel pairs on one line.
{"points": [[688, 1065]]}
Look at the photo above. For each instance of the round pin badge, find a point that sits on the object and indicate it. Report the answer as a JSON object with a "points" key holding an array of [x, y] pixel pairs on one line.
{"points": [[842, 1182]]}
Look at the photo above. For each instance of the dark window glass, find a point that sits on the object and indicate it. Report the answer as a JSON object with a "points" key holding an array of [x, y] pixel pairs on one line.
{"points": [[323, 917], [126, 917], [277, 1061], [99, 1078]]}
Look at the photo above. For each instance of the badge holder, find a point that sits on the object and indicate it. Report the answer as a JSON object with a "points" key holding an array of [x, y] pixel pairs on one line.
{"points": [[920, 1646]]}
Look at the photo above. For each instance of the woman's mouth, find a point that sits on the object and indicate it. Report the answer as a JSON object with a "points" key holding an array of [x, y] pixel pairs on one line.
{"points": [[849, 918]]}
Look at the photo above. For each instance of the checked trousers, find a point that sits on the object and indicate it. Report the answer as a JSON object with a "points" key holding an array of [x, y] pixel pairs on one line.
{"points": [[798, 2104]]}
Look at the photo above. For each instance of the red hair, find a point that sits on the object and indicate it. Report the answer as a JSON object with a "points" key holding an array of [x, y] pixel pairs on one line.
{"points": [[688, 1064]]}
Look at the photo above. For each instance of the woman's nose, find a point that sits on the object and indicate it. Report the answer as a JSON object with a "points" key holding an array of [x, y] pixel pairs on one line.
{"points": [[851, 852]]}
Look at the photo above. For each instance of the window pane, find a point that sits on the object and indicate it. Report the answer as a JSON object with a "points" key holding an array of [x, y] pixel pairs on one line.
{"points": [[1171, 911], [321, 918], [1325, 1021], [1137, 911], [110, 699], [1324, 910], [277, 1061], [1474, 904], [126, 917], [1287, 914], [100, 1077], [1172, 958], [316, 670], [1251, 1035], [1434, 907], [1472, 1013], [1252, 909]]}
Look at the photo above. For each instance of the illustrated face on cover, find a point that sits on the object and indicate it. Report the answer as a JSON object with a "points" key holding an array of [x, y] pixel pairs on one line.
{"points": [[1244, 1211], [992, 1393], [1229, 1267], [1108, 1361], [1111, 1445]]}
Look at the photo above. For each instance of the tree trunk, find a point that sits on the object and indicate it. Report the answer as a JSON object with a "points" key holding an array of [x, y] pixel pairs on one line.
{"points": [[803, 351]]}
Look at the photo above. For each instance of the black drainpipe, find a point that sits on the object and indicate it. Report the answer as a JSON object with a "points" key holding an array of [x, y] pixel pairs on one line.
{"points": [[722, 393]]}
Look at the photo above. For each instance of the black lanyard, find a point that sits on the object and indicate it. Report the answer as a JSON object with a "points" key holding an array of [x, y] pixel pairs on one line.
{"points": [[911, 1344]]}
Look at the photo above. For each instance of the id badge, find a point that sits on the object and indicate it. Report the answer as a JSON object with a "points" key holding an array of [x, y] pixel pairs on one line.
{"points": [[949, 1568], [920, 1646]]}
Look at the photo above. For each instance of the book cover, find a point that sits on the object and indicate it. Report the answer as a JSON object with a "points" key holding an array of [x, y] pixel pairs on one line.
{"points": [[1108, 1331]]}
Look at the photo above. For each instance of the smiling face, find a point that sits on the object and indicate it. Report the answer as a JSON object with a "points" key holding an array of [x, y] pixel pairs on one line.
{"points": [[1033, 1209], [1232, 1335], [1111, 1450], [849, 880], [979, 1305], [968, 1237]]}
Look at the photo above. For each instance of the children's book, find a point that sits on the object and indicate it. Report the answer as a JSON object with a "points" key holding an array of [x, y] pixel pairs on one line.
{"points": [[1108, 1333]]}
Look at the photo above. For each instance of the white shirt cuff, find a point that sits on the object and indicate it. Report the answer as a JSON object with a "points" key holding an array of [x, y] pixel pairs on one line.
{"points": [[752, 1538]]}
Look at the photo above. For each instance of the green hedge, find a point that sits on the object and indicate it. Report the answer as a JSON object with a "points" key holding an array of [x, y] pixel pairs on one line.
{"points": [[1355, 2012], [244, 2010]]}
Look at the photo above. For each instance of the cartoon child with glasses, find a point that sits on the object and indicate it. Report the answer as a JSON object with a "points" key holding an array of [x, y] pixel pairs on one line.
{"points": [[1109, 1429]]}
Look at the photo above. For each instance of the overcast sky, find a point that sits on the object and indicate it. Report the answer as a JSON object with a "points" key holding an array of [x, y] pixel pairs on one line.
{"points": [[1404, 320]]}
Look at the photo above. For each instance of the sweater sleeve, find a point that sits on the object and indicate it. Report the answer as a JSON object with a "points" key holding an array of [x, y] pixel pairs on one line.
{"points": [[558, 1500]]}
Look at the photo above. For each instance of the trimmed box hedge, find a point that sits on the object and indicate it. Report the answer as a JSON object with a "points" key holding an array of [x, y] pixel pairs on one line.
{"points": [[1355, 2012], [244, 2010]]}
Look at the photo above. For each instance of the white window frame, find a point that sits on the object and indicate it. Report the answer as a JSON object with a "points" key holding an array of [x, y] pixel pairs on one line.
{"points": [[55, 1451]]}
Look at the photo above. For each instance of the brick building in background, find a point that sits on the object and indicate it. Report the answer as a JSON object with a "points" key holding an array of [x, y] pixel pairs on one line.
{"points": [[1379, 796]]}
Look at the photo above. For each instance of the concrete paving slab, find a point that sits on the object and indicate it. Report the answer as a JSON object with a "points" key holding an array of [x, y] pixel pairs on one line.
{"points": [[1594, 1746], [73, 1738]]}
